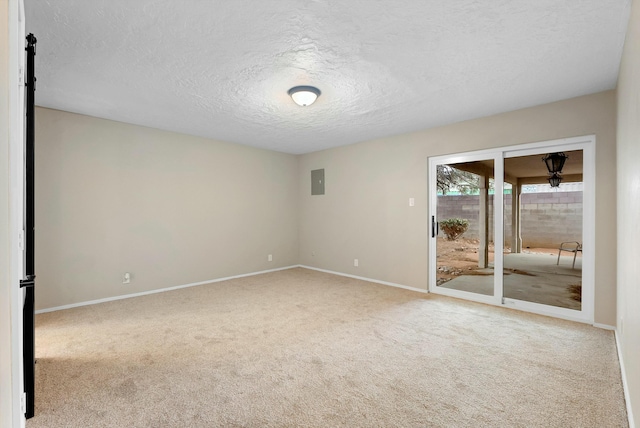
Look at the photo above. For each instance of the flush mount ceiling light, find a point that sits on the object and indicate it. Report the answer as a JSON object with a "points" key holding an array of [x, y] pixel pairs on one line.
{"points": [[304, 95]]}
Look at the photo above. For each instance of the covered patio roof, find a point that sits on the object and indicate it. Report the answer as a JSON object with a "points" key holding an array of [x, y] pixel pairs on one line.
{"points": [[527, 169]]}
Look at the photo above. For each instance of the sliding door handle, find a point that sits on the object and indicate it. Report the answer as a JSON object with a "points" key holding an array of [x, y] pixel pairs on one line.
{"points": [[433, 226], [30, 281]]}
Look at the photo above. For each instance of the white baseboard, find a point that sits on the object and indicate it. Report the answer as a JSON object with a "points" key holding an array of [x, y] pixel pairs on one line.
{"points": [[392, 284], [604, 326], [625, 385], [160, 290]]}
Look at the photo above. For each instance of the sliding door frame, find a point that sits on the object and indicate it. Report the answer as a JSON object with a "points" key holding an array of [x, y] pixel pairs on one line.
{"points": [[585, 143], [498, 232]]}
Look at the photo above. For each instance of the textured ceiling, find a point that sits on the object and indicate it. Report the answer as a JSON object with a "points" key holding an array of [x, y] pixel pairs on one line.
{"points": [[221, 69]]}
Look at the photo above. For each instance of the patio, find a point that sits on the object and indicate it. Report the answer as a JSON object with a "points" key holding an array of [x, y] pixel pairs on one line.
{"points": [[528, 277]]}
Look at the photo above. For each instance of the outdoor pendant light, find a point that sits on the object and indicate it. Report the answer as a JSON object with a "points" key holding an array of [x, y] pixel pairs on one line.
{"points": [[555, 162], [555, 179], [304, 95]]}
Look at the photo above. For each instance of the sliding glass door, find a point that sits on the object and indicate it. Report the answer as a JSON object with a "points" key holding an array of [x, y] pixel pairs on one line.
{"points": [[515, 227], [463, 226], [543, 229]]}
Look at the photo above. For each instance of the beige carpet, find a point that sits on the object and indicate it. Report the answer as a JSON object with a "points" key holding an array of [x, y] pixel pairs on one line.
{"points": [[300, 348]]}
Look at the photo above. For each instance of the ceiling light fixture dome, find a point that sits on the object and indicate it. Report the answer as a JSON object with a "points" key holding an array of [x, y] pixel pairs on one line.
{"points": [[304, 95]]}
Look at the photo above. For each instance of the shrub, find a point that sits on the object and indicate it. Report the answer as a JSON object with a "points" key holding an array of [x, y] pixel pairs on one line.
{"points": [[454, 227]]}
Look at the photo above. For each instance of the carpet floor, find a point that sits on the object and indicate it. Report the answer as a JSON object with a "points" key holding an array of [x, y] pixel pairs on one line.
{"points": [[300, 348]]}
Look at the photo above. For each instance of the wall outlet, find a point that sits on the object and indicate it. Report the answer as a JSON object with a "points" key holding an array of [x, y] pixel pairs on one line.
{"points": [[355, 262], [270, 258], [126, 279], [412, 202], [313, 254]]}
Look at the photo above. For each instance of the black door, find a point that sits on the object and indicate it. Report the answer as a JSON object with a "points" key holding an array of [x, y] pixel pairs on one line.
{"points": [[28, 283]]}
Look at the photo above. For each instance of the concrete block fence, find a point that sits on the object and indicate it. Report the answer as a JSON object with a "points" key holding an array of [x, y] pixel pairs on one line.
{"points": [[547, 218]]}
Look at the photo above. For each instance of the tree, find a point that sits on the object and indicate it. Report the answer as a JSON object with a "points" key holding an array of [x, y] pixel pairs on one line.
{"points": [[450, 178]]}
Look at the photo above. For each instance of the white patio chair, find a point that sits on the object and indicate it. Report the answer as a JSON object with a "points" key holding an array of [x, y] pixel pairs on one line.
{"points": [[571, 247]]}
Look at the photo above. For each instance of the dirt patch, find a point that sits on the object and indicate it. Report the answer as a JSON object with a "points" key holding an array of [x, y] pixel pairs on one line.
{"points": [[459, 257], [576, 292]]}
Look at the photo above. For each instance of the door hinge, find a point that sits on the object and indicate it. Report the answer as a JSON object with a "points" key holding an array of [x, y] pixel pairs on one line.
{"points": [[21, 76], [23, 403], [21, 239]]}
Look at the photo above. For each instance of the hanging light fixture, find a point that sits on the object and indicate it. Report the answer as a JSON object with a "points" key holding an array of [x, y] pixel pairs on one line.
{"points": [[304, 95], [555, 162], [555, 179]]}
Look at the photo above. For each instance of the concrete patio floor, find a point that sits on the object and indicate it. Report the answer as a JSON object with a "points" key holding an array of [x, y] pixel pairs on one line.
{"points": [[528, 277]]}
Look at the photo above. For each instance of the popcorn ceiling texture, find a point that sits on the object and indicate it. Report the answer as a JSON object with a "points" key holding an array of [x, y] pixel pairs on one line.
{"points": [[222, 69]]}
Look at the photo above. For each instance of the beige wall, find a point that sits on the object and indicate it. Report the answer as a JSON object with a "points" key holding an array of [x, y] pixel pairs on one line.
{"points": [[11, 141], [629, 209], [170, 209], [365, 213], [6, 344]]}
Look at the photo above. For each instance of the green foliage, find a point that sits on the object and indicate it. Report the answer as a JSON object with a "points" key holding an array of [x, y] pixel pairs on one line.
{"points": [[450, 178], [454, 228]]}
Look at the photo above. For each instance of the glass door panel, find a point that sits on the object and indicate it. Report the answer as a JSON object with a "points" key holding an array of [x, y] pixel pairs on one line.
{"points": [[539, 219], [463, 227]]}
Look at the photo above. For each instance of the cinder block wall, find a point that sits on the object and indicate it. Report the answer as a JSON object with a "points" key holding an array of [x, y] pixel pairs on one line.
{"points": [[547, 218]]}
